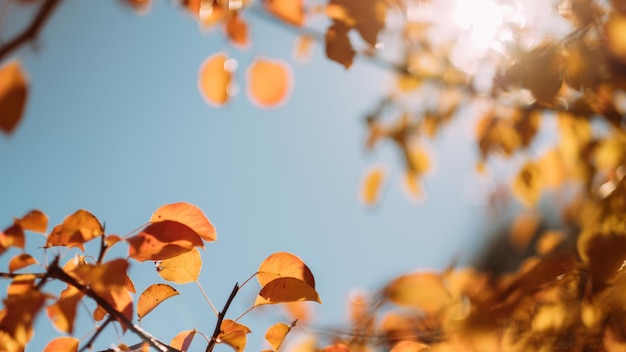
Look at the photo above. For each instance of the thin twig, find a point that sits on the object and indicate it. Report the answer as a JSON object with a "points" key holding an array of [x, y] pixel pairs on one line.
{"points": [[207, 298], [14, 275], [93, 337], [220, 318], [31, 32]]}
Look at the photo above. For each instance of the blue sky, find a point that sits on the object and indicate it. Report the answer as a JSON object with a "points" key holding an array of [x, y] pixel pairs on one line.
{"points": [[115, 125]]}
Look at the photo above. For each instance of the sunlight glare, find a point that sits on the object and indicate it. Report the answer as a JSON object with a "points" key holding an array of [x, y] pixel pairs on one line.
{"points": [[482, 18]]}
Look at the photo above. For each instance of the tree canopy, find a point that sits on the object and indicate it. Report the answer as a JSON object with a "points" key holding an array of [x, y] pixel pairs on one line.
{"points": [[510, 67]]}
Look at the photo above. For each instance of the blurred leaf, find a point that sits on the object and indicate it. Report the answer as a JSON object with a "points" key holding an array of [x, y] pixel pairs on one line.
{"points": [[140, 6], [268, 82], [367, 16], [338, 46], [409, 346], [62, 344], [523, 230], [286, 289], [614, 30], [425, 291], [34, 220], [21, 284], [372, 184], [283, 264], [291, 11], [163, 240], [237, 29], [189, 215], [76, 229], [21, 261], [13, 96], [338, 347], [181, 269], [19, 315], [304, 47], [527, 184], [214, 79], [63, 312], [152, 296], [183, 339]]}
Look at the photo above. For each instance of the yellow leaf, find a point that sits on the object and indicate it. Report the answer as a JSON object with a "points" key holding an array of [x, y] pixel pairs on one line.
{"points": [[163, 240], [286, 289], [182, 341], [338, 347], [283, 264], [303, 48], [63, 312], [62, 344], [268, 82], [291, 11], [276, 334], [236, 29], [153, 296], [214, 79], [76, 229], [233, 334], [21, 284], [21, 261], [425, 291], [409, 346], [614, 30], [371, 185], [181, 269], [35, 221], [20, 312], [13, 96], [527, 185], [189, 215]]}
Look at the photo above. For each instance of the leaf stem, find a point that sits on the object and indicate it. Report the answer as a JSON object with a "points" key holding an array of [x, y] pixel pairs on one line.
{"points": [[207, 298], [244, 313], [93, 337]]}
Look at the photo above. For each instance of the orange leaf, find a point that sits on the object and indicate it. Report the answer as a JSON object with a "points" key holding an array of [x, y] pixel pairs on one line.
{"points": [[338, 46], [21, 284], [237, 30], [186, 214], [291, 11], [283, 264], [268, 82], [425, 291], [35, 221], [214, 79], [338, 347], [63, 312], [21, 311], [233, 334], [163, 240], [12, 236], [528, 184], [409, 346], [182, 341], [13, 95], [276, 334], [300, 311], [76, 229], [286, 289], [303, 48], [21, 261], [153, 296], [181, 269], [62, 344], [372, 184]]}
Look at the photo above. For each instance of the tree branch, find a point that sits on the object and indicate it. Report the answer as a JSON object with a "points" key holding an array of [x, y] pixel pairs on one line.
{"points": [[55, 271], [32, 31], [220, 318], [14, 275]]}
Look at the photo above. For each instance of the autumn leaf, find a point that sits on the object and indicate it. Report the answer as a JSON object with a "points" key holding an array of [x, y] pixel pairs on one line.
{"points": [[34, 220], [423, 290], [291, 11], [614, 31], [189, 215], [13, 96], [409, 346], [152, 296], [276, 334], [63, 312], [338, 347], [181, 269], [62, 344], [12, 236], [214, 79], [268, 82], [183, 339], [163, 240], [237, 29], [21, 284], [527, 184], [141, 6], [21, 261], [76, 229], [233, 334], [337, 44], [283, 264], [19, 315], [371, 185], [303, 48], [286, 289]]}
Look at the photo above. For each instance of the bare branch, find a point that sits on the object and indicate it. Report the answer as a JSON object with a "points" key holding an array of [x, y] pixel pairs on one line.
{"points": [[31, 32], [220, 318]]}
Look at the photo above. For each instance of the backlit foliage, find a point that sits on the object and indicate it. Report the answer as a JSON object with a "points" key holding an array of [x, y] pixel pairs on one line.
{"points": [[170, 239]]}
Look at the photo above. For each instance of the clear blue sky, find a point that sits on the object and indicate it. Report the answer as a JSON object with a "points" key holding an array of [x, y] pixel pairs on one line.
{"points": [[115, 125]]}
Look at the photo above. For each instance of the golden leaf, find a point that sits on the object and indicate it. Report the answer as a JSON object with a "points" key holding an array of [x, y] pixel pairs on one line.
{"points": [[283, 264], [13, 95], [163, 240], [214, 79], [181, 269], [63, 312], [21, 261], [233, 334], [183, 339], [372, 184], [527, 184], [276, 334], [76, 229], [291, 11], [152, 296], [189, 215], [34, 220], [425, 291], [268, 82], [286, 289], [62, 344]]}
